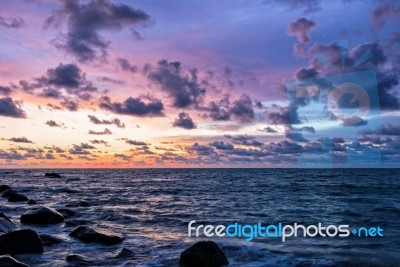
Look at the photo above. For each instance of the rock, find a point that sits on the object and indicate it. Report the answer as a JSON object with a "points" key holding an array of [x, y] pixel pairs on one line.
{"points": [[52, 175], [8, 261], [8, 193], [123, 253], [2, 215], [17, 198], [6, 226], [20, 242], [31, 202], [78, 260], [203, 253], [90, 235], [81, 203], [66, 212], [4, 187], [76, 222], [42, 215], [49, 240]]}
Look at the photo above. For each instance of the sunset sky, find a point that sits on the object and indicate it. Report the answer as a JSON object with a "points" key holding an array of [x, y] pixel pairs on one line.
{"points": [[185, 83]]}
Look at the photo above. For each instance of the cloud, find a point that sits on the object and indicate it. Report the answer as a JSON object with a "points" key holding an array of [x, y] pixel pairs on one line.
{"points": [[126, 66], [110, 80], [201, 150], [53, 123], [282, 115], [383, 12], [386, 129], [81, 149], [308, 6], [135, 142], [5, 90], [20, 140], [244, 140], [85, 22], [134, 106], [181, 86], [98, 142], [221, 145], [240, 110], [268, 129], [184, 121], [10, 108], [117, 122], [105, 132], [11, 22], [301, 29]]}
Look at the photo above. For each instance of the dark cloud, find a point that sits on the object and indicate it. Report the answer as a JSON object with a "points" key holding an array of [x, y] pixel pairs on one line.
{"points": [[98, 142], [244, 140], [184, 121], [308, 6], [70, 105], [240, 110], [5, 90], [135, 142], [11, 108], [117, 122], [386, 129], [11, 22], [110, 80], [105, 132], [182, 86], [134, 106], [283, 115], [268, 129], [51, 93], [285, 147], [221, 145], [53, 123], [383, 12], [81, 149], [301, 28], [86, 21], [126, 66], [20, 140], [201, 150]]}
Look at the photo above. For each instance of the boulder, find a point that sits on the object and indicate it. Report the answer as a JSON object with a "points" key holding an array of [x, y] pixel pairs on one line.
{"points": [[203, 253], [31, 202], [2, 215], [81, 203], [52, 175], [42, 215], [6, 226], [76, 222], [8, 261], [123, 253], [8, 193], [17, 198], [4, 187], [20, 242], [78, 260], [49, 240], [90, 235], [66, 213]]}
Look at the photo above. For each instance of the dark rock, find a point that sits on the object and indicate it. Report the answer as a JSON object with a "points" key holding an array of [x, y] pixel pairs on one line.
{"points": [[2, 215], [78, 260], [81, 203], [90, 235], [52, 175], [6, 226], [8, 261], [17, 198], [49, 240], [4, 187], [42, 215], [203, 253], [123, 253], [20, 242], [76, 222], [66, 212], [31, 202], [8, 193]]}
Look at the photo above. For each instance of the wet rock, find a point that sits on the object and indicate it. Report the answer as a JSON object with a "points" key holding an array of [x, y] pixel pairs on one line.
{"points": [[78, 260], [8, 193], [17, 198], [76, 222], [20, 242], [4, 187], [123, 253], [8, 261], [49, 240], [203, 253], [2, 215], [52, 175], [6, 226], [81, 203], [66, 212], [90, 235], [31, 202], [42, 215]]}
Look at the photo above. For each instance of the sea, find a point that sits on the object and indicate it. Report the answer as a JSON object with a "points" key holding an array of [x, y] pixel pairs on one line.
{"points": [[151, 208]]}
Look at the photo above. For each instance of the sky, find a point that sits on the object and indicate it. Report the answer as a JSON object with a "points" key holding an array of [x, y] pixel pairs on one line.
{"points": [[183, 83]]}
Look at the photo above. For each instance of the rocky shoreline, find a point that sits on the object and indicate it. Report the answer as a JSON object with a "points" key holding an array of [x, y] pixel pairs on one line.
{"points": [[16, 241]]}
